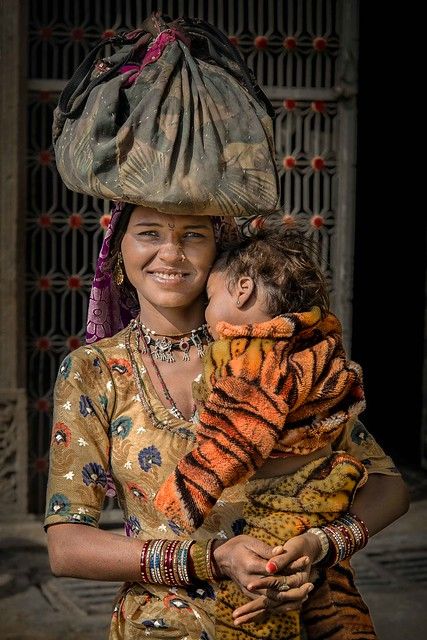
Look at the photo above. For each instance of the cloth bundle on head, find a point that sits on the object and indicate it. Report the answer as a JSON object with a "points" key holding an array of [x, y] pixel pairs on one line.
{"points": [[172, 120]]}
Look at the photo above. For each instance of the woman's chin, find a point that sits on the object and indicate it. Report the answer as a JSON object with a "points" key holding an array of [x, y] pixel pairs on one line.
{"points": [[169, 300]]}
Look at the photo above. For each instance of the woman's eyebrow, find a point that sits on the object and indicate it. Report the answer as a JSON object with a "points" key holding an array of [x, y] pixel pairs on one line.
{"points": [[158, 225], [197, 226], [147, 224]]}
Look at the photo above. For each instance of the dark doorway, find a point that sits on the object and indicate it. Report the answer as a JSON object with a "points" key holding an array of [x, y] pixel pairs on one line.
{"points": [[388, 323]]}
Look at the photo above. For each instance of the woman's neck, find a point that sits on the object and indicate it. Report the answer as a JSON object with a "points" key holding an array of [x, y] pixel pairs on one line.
{"points": [[169, 321]]}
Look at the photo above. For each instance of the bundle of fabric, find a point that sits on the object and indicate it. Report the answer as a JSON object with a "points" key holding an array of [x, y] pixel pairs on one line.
{"points": [[172, 120]]}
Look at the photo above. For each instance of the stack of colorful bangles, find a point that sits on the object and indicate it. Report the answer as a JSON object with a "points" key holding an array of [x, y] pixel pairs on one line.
{"points": [[167, 562], [340, 539]]}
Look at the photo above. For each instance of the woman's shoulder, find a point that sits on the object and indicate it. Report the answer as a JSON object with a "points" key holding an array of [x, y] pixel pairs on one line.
{"points": [[111, 347], [107, 351]]}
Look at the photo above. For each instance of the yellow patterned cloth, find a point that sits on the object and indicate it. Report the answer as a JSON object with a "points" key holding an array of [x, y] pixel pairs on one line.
{"points": [[278, 509], [101, 431]]}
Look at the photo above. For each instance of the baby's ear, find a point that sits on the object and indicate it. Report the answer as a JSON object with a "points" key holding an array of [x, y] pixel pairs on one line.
{"points": [[243, 290]]}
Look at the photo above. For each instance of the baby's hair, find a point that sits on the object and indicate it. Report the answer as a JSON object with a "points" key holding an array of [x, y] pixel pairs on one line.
{"points": [[285, 261]]}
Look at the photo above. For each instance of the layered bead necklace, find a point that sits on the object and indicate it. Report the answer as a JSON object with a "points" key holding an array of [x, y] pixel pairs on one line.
{"points": [[161, 348]]}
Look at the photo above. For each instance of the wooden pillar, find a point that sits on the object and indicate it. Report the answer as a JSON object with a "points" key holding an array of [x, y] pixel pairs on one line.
{"points": [[13, 424]]}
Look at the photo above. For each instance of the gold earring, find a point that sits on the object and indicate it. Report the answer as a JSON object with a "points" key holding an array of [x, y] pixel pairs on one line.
{"points": [[118, 274]]}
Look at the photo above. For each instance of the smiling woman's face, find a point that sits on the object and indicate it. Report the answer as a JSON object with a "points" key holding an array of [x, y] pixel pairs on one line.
{"points": [[167, 258]]}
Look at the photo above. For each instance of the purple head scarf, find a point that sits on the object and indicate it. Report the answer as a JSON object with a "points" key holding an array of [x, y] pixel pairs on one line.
{"points": [[109, 310], [106, 315]]}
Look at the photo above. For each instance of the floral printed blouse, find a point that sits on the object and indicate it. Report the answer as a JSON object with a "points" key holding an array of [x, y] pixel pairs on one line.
{"points": [[103, 440]]}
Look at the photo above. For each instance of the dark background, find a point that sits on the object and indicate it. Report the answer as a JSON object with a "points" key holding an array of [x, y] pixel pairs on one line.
{"points": [[390, 265]]}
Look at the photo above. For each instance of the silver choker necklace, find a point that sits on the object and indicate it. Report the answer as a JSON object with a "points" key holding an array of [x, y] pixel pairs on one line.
{"points": [[163, 347]]}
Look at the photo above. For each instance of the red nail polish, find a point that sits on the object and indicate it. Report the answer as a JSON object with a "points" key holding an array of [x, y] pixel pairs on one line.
{"points": [[272, 566]]}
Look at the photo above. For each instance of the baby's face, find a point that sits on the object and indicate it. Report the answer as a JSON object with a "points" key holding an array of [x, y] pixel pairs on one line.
{"points": [[221, 305]]}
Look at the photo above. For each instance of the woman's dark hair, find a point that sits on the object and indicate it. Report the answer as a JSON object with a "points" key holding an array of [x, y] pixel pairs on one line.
{"points": [[127, 289], [285, 261], [117, 237]]}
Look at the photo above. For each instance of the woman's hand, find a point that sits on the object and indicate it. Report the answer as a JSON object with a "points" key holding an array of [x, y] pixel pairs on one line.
{"points": [[243, 559], [288, 585]]}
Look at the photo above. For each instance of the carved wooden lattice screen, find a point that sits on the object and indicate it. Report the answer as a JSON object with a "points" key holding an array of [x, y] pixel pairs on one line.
{"points": [[303, 53]]}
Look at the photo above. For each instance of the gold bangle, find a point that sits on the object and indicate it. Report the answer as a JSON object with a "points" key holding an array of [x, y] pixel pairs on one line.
{"points": [[199, 552], [209, 560]]}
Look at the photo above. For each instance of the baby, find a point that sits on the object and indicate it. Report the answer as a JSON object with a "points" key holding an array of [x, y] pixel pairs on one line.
{"points": [[278, 389]]}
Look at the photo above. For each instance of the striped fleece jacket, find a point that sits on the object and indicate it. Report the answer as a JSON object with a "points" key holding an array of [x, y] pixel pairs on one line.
{"points": [[278, 388]]}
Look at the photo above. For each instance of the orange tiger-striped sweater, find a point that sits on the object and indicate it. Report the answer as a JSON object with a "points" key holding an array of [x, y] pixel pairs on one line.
{"points": [[282, 387]]}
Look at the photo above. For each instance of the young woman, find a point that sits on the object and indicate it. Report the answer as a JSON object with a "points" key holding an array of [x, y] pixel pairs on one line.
{"points": [[124, 411]]}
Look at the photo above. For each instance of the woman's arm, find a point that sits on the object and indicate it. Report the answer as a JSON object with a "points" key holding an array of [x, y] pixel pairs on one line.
{"points": [[81, 551], [390, 492], [381, 501]]}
